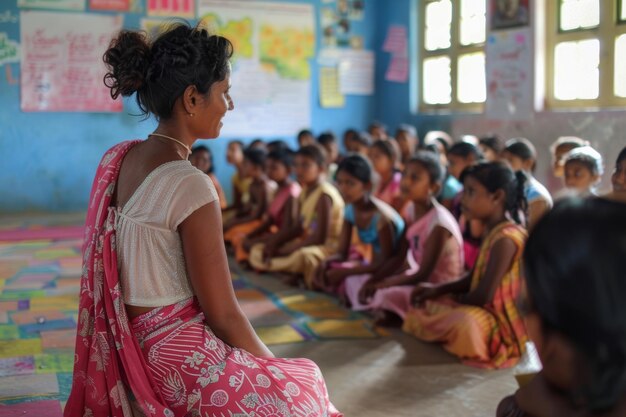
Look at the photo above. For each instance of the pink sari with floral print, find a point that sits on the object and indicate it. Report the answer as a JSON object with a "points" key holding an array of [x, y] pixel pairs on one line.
{"points": [[168, 362]]}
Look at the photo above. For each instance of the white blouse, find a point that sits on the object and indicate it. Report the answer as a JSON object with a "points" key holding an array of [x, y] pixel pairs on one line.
{"points": [[149, 251]]}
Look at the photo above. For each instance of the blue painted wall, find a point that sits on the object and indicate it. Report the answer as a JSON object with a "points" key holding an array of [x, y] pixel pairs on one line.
{"points": [[397, 102], [47, 160]]}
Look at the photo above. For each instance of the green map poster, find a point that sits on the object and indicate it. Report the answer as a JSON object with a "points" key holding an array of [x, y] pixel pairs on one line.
{"points": [[271, 81]]}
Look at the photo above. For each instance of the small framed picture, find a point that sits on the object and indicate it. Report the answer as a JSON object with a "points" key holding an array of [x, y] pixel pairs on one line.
{"points": [[509, 14]]}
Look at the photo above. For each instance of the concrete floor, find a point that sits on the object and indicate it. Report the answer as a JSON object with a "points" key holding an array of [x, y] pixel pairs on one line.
{"points": [[393, 376], [399, 376]]}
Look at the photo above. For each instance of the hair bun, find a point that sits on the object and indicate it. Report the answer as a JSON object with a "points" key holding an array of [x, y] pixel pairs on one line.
{"points": [[127, 60]]}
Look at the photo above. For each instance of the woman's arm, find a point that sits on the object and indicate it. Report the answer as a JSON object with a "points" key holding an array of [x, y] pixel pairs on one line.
{"points": [[500, 260], [207, 268]]}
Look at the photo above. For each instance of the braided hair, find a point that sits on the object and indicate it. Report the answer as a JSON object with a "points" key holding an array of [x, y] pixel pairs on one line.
{"points": [[496, 176]]}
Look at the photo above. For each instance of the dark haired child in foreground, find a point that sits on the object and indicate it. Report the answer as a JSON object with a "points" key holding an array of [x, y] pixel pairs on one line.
{"points": [[476, 317], [574, 263], [431, 249], [618, 179], [375, 222], [202, 158], [522, 156], [282, 212], [301, 249], [240, 182], [261, 193]]}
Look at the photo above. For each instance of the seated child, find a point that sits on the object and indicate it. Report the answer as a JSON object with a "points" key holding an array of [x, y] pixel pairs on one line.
{"points": [[460, 156], [377, 131], [305, 138], [441, 141], [618, 179], [560, 148], [361, 143], [491, 147], [574, 265], [384, 159], [258, 143], [202, 158], [476, 317], [376, 223], [328, 141], [522, 156], [431, 250], [406, 136], [241, 183], [283, 210], [350, 143], [302, 248], [583, 170], [261, 192]]}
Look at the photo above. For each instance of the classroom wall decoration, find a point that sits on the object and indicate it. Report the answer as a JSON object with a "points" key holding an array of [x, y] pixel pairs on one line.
{"points": [[509, 75], [176, 8], [116, 5], [78, 5], [271, 78], [509, 14], [62, 67], [9, 49]]}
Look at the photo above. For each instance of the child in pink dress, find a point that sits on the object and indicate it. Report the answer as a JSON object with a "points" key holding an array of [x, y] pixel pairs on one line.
{"points": [[433, 245]]}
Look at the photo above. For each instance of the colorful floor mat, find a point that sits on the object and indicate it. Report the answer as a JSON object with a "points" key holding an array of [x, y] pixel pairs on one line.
{"points": [[39, 282]]}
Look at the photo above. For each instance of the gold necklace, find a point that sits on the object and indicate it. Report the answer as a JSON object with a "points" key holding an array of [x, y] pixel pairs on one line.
{"points": [[175, 140]]}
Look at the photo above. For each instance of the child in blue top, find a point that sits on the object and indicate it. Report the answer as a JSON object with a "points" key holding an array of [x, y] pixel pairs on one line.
{"points": [[375, 222]]}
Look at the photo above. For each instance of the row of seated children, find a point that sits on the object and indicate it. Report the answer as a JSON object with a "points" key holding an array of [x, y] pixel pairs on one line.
{"points": [[423, 248]]}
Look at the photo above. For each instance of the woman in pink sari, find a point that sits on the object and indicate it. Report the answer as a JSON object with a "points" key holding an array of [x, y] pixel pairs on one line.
{"points": [[160, 331]]}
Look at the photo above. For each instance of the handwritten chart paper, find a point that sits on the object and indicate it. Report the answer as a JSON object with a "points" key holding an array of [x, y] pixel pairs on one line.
{"points": [[181, 8], [356, 72], [118, 5], [53, 4], [62, 68], [509, 75]]}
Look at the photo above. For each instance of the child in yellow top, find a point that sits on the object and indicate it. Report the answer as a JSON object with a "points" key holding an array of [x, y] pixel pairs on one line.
{"points": [[300, 249]]}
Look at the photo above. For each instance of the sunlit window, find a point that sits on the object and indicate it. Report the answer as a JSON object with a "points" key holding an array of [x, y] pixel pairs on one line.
{"points": [[619, 78], [471, 79], [579, 14], [473, 26], [586, 53], [437, 80], [438, 24], [453, 59], [576, 74]]}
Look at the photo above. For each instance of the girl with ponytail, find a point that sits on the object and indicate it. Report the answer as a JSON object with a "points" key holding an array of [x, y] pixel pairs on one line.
{"points": [[476, 317]]}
